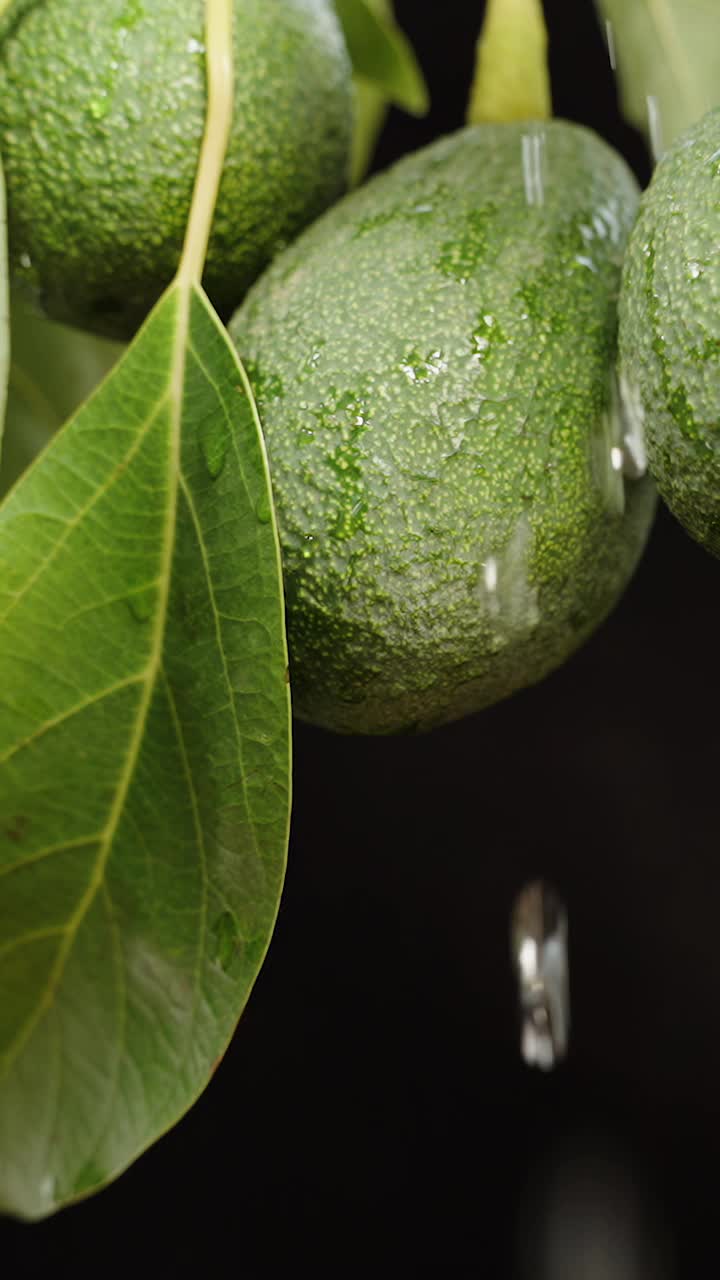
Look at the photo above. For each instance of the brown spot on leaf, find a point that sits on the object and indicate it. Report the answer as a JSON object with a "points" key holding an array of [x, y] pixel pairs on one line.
{"points": [[18, 828]]}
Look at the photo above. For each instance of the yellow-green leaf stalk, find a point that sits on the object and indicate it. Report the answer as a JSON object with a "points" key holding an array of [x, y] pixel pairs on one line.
{"points": [[511, 81]]}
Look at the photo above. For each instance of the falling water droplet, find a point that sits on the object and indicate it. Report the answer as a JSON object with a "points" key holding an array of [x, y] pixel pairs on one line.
{"points": [[215, 443], [610, 38], [490, 578], [505, 589], [538, 935], [654, 127], [584, 261], [606, 453], [195, 46], [533, 157], [517, 596], [632, 418]]}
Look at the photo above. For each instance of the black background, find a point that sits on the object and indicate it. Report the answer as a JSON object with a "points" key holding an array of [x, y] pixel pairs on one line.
{"points": [[372, 1113]]}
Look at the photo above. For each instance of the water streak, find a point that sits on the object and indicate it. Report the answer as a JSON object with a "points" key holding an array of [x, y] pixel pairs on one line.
{"points": [[610, 37], [533, 148], [654, 127]]}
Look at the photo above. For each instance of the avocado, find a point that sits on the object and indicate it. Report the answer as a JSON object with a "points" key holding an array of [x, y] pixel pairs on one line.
{"points": [[669, 334], [102, 112], [433, 364]]}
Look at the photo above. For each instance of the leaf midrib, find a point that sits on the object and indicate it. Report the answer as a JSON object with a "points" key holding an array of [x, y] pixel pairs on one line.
{"points": [[182, 290]]}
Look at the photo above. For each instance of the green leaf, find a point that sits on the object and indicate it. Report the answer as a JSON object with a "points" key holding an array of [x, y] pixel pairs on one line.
{"points": [[668, 62], [4, 310], [382, 55], [371, 108], [144, 739], [143, 757], [512, 81], [52, 370]]}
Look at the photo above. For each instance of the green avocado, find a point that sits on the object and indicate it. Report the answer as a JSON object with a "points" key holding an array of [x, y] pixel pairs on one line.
{"points": [[102, 111], [669, 335], [459, 502]]}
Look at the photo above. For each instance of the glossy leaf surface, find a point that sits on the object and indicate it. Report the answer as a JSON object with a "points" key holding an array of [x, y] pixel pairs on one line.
{"points": [[143, 757]]}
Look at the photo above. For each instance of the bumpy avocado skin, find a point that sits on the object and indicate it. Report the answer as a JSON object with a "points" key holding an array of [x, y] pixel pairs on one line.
{"points": [[102, 110], [669, 337], [432, 362]]}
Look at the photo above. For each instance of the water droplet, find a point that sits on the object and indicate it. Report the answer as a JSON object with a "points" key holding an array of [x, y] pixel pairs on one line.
{"points": [[632, 416], [195, 46], [480, 346], [490, 578], [583, 261], [606, 453], [654, 127], [47, 1190], [538, 934], [99, 107], [610, 38], [609, 213], [695, 270], [533, 158], [142, 604], [226, 942], [505, 588], [419, 369], [263, 509], [422, 208], [518, 598], [26, 261], [215, 443]]}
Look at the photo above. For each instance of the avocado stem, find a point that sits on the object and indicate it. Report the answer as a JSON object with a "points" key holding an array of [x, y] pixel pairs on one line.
{"points": [[512, 80], [218, 121]]}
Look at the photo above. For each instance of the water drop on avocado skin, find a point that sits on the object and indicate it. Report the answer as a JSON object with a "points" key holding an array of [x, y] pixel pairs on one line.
{"points": [[494, 532]]}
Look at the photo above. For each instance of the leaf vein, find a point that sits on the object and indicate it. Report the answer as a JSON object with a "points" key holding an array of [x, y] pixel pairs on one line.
{"points": [[221, 649], [200, 837], [70, 525], [55, 721], [39, 855], [175, 399]]}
